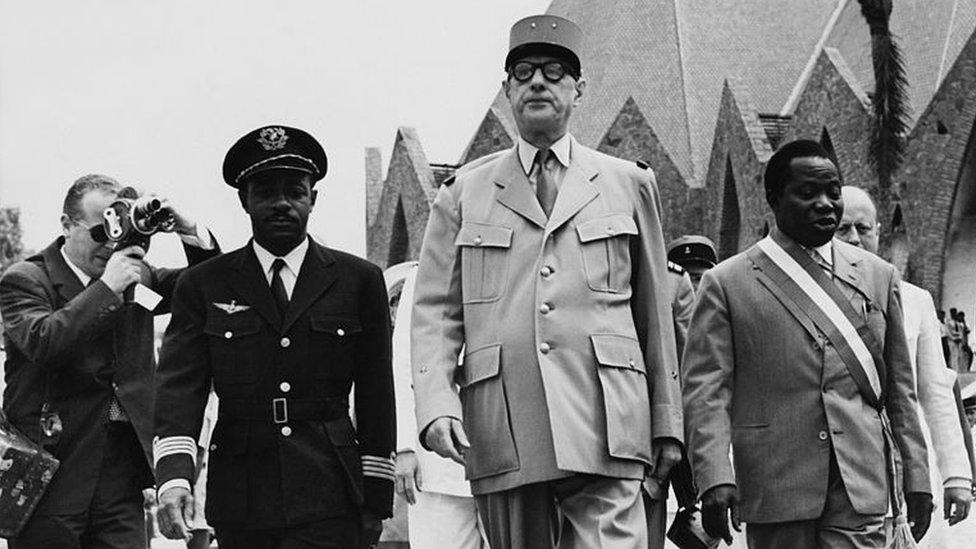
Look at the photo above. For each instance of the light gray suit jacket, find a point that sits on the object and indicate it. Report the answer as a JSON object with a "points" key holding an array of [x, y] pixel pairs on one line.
{"points": [[569, 364], [755, 377]]}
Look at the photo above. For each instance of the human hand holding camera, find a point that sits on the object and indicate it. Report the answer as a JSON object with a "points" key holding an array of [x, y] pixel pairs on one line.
{"points": [[123, 268]]}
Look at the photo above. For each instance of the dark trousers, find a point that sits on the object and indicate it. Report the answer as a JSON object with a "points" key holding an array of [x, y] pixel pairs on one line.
{"points": [[114, 518], [331, 533]]}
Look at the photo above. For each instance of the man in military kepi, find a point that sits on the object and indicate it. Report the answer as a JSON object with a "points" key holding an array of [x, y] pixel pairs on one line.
{"points": [[569, 387], [694, 253], [283, 328]]}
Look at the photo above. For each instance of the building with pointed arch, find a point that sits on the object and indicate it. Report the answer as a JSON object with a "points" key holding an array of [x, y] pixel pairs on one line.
{"points": [[705, 90]]}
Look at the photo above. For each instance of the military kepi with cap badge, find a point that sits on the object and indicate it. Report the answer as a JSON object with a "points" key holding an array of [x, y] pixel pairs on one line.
{"points": [[282, 338]]}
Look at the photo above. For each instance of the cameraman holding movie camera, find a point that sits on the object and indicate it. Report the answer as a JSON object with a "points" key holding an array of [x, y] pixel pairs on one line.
{"points": [[78, 331]]}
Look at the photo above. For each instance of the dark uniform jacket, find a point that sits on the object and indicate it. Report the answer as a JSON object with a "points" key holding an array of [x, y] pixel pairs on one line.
{"points": [[83, 345], [284, 450]]}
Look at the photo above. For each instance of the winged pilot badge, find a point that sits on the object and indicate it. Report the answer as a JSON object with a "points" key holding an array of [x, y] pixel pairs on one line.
{"points": [[232, 307]]}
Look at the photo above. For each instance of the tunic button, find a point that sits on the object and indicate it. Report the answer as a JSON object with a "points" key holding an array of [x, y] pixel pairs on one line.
{"points": [[544, 348], [477, 241], [286, 431], [610, 230], [285, 386], [545, 271], [228, 335], [285, 342], [213, 447], [545, 308], [340, 332], [822, 435]]}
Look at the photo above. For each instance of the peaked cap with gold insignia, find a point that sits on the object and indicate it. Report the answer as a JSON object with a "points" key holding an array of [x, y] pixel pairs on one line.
{"points": [[545, 35], [692, 249], [274, 147]]}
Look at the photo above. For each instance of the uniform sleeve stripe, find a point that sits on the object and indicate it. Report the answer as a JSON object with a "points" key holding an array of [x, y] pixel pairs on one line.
{"points": [[377, 460], [176, 445], [377, 473], [385, 466]]}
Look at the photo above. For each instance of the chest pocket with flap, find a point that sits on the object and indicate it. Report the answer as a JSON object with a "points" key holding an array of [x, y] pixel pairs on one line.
{"points": [[605, 245], [234, 345], [484, 260]]}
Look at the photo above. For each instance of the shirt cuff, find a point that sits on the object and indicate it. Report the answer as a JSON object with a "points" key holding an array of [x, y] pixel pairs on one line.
{"points": [[200, 240], [173, 483], [958, 482]]}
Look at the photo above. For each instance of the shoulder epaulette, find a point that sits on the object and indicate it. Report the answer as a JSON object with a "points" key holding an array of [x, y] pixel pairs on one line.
{"points": [[643, 165], [675, 268]]}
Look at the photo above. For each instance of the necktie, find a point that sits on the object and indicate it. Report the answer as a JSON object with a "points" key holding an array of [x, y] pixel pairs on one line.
{"points": [[822, 263], [278, 287], [545, 188]]}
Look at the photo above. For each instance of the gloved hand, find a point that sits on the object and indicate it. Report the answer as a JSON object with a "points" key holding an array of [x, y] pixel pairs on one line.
{"points": [[719, 504], [919, 512]]}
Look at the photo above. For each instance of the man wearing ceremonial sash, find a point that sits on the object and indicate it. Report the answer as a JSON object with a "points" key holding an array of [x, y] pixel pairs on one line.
{"points": [[796, 356]]}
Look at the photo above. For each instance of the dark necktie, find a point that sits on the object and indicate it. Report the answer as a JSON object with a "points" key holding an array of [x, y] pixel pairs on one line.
{"points": [[278, 287], [545, 188]]}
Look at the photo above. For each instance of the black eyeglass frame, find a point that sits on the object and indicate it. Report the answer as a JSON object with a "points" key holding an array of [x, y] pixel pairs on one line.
{"points": [[96, 231], [563, 70]]}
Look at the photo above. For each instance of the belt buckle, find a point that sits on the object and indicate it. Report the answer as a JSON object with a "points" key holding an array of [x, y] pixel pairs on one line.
{"points": [[279, 410]]}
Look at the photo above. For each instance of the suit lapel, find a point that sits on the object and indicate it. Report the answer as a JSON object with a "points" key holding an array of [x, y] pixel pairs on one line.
{"points": [[516, 192], [248, 280], [848, 271], [576, 191], [316, 276], [62, 277]]}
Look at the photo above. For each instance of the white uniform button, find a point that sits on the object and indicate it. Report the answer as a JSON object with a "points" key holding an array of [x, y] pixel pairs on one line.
{"points": [[545, 271], [286, 431], [285, 386], [545, 308], [228, 335], [340, 332], [285, 342], [544, 348], [610, 230], [477, 241], [822, 435]]}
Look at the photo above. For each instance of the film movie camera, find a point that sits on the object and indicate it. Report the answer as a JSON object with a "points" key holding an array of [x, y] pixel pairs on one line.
{"points": [[132, 219]]}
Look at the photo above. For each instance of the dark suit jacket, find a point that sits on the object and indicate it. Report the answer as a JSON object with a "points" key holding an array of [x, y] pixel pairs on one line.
{"points": [[226, 331], [83, 344]]}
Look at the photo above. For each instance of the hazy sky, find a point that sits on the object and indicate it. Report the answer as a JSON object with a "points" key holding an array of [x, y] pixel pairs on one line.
{"points": [[153, 94]]}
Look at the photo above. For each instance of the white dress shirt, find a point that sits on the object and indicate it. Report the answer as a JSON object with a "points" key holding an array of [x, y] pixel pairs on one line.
{"points": [[562, 149], [293, 264]]}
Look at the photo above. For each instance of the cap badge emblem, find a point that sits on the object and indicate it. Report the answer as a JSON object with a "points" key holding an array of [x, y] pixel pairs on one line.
{"points": [[273, 139]]}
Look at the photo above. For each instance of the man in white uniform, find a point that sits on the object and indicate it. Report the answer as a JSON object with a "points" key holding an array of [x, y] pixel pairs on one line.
{"points": [[948, 464], [442, 512]]}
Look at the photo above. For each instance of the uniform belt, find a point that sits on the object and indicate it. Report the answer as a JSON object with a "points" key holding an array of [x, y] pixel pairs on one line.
{"points": [[283, 410]]}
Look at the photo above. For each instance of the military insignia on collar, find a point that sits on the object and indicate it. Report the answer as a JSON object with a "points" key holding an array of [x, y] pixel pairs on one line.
{"points": [[273, 139], [232, 307]]}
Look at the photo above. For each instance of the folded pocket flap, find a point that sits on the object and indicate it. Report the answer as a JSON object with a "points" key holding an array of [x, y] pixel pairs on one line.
{"points": [[483, 235], [618, 351], [335, 324], [340, 432], [606, 227], [232, 326], [480, 365]]}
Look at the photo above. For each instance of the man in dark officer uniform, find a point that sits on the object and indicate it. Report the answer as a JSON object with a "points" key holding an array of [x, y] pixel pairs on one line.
{"points": [[694, 253], [283, 328]]}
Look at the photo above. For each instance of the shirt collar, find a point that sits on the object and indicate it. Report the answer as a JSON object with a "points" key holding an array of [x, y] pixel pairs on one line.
{"points": [[826, 251], [293, 259], [84, 278], [561, 148]]}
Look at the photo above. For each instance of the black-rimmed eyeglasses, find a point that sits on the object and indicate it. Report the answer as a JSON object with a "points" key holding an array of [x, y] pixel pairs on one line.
{"points": [[553, 71]]}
